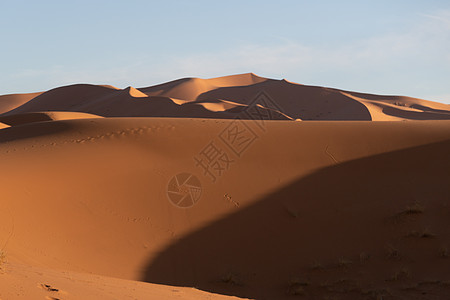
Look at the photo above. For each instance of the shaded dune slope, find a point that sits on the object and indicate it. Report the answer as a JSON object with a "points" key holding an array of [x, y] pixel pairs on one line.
{"points": [[19, 119], [227, 97], [9, 102], [130, 102], [280, 246]]}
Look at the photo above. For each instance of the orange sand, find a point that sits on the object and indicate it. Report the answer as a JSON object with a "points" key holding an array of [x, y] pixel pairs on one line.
{"points": [[337, 207]]}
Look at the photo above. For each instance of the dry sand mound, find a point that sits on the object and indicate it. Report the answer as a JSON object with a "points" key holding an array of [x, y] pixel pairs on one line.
{"points": [[130, 102], [96, 192], [9, 102], [223, 192], [191, 88], [226, 97], [25, 282]]}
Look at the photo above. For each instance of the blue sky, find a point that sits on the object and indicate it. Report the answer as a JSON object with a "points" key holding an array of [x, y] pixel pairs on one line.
{"points": [[385, 47]]}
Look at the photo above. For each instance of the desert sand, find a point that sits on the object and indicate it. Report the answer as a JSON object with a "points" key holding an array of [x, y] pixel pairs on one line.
{"points": [[223, 188]]}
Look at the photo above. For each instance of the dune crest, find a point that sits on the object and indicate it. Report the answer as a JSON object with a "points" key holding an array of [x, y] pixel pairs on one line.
{"points": [[237, 80], [402, 108], [221, 97], [9, 102], [191, 88], [135, 93]]}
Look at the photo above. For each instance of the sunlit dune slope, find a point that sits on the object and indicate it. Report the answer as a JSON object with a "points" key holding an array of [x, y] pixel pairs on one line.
{"points": [[9, 102], [226, 97], [91, 195]]}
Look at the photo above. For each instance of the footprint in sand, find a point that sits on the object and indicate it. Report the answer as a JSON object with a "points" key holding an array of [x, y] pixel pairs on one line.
{"points": [[50, 288]]}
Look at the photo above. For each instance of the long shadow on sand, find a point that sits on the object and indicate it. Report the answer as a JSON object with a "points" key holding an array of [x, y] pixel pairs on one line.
{"points": [[320, 229], [33, 130]]}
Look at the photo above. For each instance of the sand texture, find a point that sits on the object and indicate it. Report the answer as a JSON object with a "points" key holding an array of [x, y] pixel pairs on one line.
{"points": [[223, 188]]}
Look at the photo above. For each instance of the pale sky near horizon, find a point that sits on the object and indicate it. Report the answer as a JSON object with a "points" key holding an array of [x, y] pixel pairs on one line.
{"points": [[384, 47]]}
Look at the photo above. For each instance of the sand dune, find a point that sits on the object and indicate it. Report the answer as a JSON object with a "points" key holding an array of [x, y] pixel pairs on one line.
{"points": [[213, 98], [210, 184], [384, 108], [91, 224], [25, 282], [9, 102], [130, 102], [191, 88]]}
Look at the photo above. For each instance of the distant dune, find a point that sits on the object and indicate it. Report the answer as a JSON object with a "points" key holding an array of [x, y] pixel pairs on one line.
{"points": [[213, 189], [9, 102], [226, 98]]}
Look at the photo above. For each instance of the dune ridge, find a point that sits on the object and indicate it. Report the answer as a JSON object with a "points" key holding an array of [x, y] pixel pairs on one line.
{"points": [[214, 97], [9, 102]]}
